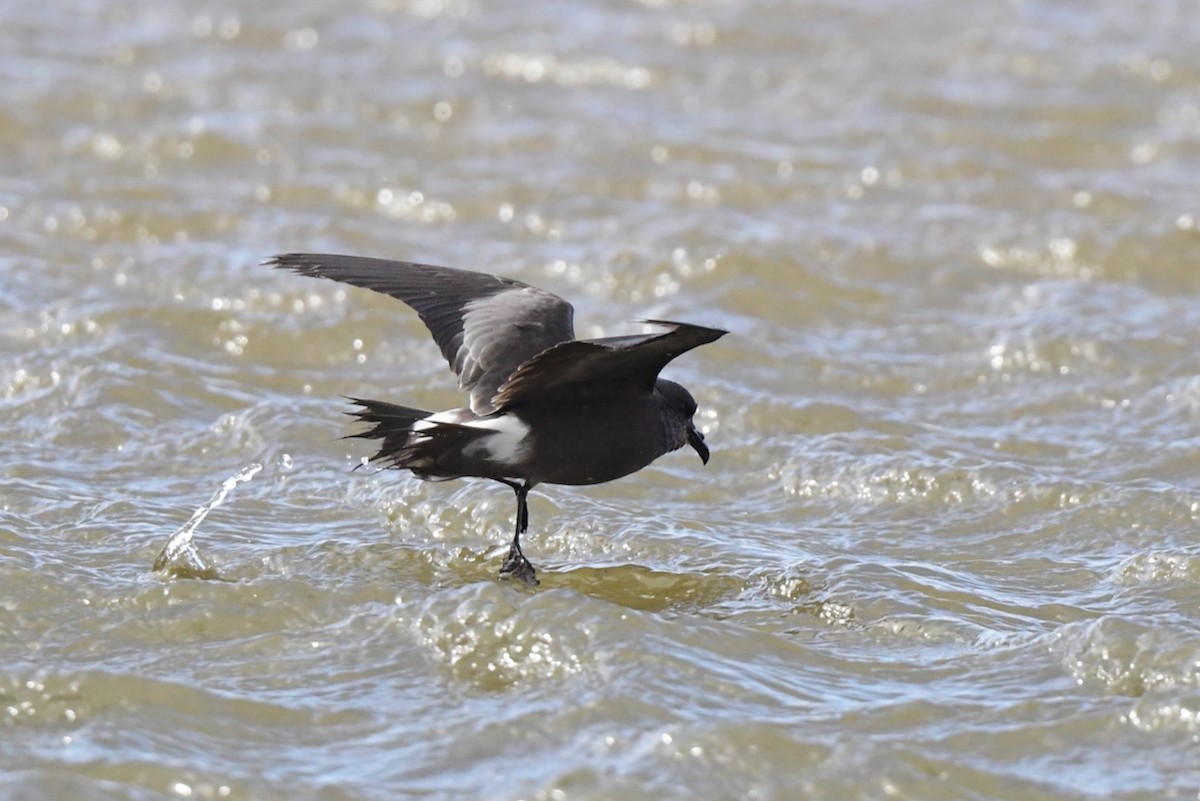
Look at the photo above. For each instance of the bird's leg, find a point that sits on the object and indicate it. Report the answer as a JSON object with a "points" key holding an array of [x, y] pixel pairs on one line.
{"points": [[522, 510], [515, 564]]}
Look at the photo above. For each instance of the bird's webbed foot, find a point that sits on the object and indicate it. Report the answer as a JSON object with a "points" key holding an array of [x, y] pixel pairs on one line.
{"points": [[517, 567]]}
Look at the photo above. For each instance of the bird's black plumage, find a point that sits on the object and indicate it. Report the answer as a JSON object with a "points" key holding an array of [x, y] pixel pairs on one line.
{"points": [[544, 406]]}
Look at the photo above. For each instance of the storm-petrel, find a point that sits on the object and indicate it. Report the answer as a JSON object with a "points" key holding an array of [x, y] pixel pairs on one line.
{"points": [[545, 408]]}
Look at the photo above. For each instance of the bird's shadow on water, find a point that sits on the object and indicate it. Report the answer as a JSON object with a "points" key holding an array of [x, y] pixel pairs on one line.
{"points": [[629, 585], [646, 589]]}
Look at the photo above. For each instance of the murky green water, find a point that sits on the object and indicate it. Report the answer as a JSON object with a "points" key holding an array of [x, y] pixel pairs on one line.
{"points": [[948, 545]]}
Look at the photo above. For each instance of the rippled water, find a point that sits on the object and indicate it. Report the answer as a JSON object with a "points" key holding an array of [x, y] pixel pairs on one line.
{"points": [[947, 544]]}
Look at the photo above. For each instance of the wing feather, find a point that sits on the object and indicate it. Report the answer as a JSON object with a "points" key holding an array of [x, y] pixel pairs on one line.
{"points": [[574, 372], [485, 325]]}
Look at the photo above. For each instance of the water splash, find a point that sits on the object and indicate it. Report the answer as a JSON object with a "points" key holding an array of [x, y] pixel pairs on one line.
{"points": [[180, 557]]}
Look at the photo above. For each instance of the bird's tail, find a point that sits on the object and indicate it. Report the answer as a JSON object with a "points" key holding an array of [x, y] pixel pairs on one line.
{"points": [[390, 423], [430, 450]]}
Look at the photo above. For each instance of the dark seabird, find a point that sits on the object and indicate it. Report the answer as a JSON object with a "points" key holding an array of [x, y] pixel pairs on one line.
{"points": [[545, 408]]}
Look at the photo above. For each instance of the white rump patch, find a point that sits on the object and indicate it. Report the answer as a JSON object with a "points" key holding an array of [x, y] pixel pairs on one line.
{"points": [[505, 446], [508, 444]]}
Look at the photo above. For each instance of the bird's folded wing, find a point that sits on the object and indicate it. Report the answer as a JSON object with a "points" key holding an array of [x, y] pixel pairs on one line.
{"points": [[576, 371], [485, 325]]}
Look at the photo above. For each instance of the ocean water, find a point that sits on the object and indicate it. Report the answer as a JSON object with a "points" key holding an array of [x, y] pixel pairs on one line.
{"points": [[947, 547]]}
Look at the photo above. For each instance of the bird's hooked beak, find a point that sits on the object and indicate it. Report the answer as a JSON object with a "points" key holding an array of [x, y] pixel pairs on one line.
{"points": [[696, 440]]}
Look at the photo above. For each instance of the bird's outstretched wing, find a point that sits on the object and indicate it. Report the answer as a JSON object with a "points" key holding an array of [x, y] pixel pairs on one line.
{"points": [[486, 326], [580, 369]]}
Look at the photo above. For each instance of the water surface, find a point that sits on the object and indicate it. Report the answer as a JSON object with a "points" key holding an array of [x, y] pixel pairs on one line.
{"points": [[947, 543]]}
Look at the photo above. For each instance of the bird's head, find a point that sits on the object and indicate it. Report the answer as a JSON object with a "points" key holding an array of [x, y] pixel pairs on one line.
{"points": [[683, 406]]}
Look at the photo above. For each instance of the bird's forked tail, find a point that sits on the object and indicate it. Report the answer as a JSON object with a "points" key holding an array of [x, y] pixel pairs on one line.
{"points": [[431, 445], [390, 423]]}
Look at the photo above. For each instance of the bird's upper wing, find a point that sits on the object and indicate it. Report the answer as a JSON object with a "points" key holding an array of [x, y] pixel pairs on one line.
{"points": [[578, 370], [486, 326]]}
